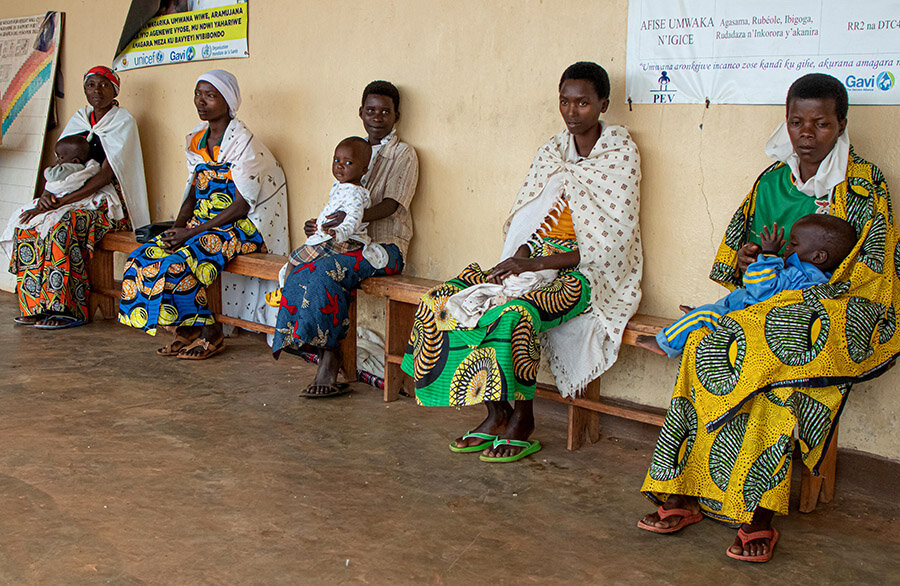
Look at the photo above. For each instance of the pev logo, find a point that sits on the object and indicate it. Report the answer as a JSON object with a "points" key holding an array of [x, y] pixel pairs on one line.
{"points": [[186, 55], [884, 81]]}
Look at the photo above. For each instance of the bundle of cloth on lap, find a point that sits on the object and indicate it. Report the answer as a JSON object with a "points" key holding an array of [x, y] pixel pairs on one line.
{"points": [[789, 360]]}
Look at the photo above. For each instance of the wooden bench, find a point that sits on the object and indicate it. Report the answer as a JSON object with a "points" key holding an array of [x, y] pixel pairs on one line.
{"points": [[402, 294]]}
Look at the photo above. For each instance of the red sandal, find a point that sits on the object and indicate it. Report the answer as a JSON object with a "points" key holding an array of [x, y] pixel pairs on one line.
{"points": [[687, 518], [770, 534]]}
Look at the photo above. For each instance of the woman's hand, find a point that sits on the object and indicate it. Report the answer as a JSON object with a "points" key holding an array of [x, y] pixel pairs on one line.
{"points": [[173, 238], [512, 266], [309, 228], [747, 254], [28, 214]]}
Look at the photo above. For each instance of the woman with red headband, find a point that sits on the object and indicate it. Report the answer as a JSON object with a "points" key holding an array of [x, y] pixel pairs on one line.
{"points": [[51, 276]]}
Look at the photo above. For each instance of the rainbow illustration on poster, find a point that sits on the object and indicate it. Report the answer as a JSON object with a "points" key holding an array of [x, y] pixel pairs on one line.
{"points": [[32, 75]]}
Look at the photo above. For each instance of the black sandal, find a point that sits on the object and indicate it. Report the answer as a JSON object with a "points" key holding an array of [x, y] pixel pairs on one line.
{"points": [[334, 390]]}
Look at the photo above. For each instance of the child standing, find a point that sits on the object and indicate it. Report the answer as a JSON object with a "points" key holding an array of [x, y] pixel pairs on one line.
{"points": [[818, 244]]}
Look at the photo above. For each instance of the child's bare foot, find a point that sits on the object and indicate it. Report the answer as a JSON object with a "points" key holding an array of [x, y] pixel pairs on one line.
{"points": [[649, 343], [686, 308]]}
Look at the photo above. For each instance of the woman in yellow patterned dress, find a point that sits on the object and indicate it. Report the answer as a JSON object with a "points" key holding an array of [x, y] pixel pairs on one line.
{"points": [[165, 280], [725, 448]]}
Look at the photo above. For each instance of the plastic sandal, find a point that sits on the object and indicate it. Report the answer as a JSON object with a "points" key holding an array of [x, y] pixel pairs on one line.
{"points": [[529, 448], [688, 517], [489, 439], [770, 534]]}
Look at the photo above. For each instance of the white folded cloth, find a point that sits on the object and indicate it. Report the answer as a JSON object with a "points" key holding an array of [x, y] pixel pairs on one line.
{"points": [[471, 303]]}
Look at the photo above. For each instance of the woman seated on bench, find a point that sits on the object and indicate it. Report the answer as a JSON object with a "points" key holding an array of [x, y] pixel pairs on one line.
{"points": [[725, 448], [577, 216], [51, 265], [316, 295], [234, 203]]}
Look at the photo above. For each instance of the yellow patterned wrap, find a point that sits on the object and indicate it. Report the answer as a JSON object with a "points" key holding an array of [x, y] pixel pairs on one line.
{"points": [[788, 360]]}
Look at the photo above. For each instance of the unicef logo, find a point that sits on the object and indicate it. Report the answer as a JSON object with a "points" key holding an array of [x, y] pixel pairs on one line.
{"points": [[159, 56], [205, 52], [190, 53], [885, 81]]}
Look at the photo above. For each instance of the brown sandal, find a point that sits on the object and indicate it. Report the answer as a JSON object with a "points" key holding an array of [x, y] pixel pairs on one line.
{"points": [[184, 341], [210, 349]]}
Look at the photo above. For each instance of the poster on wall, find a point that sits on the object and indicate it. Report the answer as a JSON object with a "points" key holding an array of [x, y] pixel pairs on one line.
{"points": [[160, 32], [726, 52], [29, 48]]}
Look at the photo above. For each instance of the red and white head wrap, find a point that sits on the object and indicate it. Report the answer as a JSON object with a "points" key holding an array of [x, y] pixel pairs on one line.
{"points": [[105, 72]]}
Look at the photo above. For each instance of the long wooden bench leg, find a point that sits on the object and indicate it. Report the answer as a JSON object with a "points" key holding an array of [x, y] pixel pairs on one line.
{"points": [[100, 273], [584, 423], [828, 469], [398, 324], [819, 488], [348, 344]]}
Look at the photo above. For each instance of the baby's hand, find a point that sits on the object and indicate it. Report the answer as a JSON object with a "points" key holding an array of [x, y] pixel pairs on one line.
{"points": [[772, 241]]}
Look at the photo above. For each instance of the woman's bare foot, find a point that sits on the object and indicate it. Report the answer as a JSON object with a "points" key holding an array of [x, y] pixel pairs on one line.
{"points": [[675, 501], [327, 372], [762, 520], [649, 343], [495, 423], [519, 427]]}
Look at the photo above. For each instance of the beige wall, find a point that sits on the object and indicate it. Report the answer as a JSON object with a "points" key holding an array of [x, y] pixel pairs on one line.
{"points": [[479, 82]]}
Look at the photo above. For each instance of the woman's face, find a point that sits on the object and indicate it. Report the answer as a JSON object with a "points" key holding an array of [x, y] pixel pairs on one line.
{"points": [[378, 116], [209, 102], [99, 92], [814, 128], [580, 105]]}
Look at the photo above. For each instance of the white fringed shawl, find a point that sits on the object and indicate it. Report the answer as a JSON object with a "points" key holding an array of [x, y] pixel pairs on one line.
{"points": [[604, 197], [118, 134]]}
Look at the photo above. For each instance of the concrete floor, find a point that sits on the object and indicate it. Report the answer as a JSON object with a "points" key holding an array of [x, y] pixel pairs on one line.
{"points": [[122, 467]]}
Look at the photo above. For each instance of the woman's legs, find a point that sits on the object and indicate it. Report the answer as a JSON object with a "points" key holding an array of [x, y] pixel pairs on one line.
{"points": [[762, 521], [519, 427]]}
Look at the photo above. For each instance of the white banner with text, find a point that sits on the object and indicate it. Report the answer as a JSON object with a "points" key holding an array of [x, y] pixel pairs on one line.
{"points": [[728, 52]]}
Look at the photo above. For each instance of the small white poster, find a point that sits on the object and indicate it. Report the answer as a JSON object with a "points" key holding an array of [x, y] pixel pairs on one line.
{"points": [[726, 52]]}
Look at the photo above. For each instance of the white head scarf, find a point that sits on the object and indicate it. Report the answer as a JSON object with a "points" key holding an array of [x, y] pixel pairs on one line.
{"points": [[832, 169], [227, 85]]}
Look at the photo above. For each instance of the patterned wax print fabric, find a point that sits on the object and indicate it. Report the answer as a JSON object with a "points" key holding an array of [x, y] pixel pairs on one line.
{"points": [[316, 297], [790, 360], [51, 273], [169, 289], [498, 359]]}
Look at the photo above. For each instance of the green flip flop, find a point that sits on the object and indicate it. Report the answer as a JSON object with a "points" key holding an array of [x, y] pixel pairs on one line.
{"points": [[528, 449], [489, 439]]}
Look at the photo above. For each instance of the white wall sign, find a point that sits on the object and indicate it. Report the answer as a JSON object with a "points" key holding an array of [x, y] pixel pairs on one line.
{"points": [[750, 52]]}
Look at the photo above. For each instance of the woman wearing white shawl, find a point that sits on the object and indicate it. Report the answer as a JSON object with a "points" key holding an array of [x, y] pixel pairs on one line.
{"points": [[234, 203], [577, 213], [50, 267]]}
